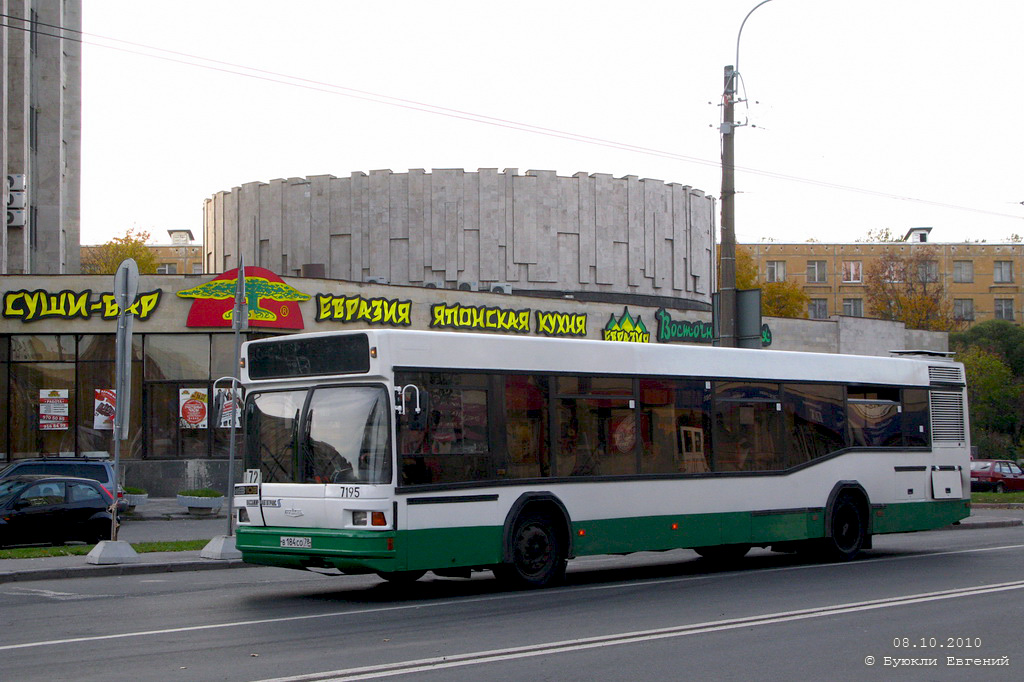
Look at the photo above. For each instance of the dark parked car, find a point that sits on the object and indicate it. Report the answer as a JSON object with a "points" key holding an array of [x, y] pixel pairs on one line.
{"points": [[101, 470], [996, 475], [53, 510]]}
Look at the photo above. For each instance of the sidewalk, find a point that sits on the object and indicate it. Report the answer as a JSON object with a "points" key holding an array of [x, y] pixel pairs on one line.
{"points": [[158, 520], [164, 519]]}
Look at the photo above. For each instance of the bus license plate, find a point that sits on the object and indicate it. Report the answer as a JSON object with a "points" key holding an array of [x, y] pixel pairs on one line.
{"points": [[294, 541]]}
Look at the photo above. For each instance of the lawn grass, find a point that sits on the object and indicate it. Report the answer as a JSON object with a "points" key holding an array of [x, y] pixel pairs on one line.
{"points": [[998, 498], [80, 550]]}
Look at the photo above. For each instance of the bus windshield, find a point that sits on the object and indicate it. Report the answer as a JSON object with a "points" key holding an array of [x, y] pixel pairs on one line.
{"points": [[339, 435]]}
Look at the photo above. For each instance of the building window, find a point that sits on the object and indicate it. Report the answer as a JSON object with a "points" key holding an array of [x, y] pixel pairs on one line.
{"points": [[816, 271], [963, 271], [1004, 308], [776, 271], [197, 268], [852, 271], [928, 271], [1002, 272], [853, 307], [963, 309], [167, 269], [893, 272], [817, 309]]}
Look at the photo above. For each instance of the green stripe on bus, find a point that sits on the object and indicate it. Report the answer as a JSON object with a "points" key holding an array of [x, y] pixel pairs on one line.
{"points": [[910, 516], [438, 548]]}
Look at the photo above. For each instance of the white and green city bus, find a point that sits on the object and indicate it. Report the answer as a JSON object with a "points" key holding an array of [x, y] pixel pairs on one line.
{"points": [[398, 452]]}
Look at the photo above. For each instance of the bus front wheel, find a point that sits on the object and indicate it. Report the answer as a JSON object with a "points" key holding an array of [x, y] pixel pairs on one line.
{"points": [[537, 553]]}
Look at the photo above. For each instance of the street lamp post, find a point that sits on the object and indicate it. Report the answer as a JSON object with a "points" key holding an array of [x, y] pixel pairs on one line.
{"points": [[727, 286]]}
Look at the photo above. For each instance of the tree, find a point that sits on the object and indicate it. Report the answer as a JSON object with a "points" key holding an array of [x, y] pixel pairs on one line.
{"points": [[778, 299], [906, 286], [1000, 337], [994, 397], [104, 259], [879, 235]]}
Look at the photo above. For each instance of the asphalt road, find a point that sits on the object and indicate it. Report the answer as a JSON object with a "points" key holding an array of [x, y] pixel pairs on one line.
{"points": [[914, 600]]}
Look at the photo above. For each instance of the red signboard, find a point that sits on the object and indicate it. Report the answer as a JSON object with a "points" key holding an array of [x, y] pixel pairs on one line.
{"points": [[272, 302]]}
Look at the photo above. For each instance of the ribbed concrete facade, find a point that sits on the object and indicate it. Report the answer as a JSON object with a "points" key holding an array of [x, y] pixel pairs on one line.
{"points": [[41, 134], [536, 232]]}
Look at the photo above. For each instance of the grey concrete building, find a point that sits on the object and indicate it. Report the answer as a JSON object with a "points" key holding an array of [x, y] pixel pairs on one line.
{"points": [[40, 139], [593, 236]]}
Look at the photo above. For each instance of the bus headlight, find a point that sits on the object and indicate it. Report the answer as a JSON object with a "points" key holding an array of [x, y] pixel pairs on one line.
{"points": [[358, 518]]}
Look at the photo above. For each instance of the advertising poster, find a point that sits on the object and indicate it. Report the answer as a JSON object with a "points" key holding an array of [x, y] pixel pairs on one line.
{"points": [[193, 408], [54, 414], [104, 405], [227, 405]]}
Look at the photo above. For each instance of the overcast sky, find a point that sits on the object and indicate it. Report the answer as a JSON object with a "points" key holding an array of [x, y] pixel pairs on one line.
{"points": [[869, 114]]}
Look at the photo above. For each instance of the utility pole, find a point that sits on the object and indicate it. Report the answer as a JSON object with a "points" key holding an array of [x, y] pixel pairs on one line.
{"points": [[727, 311], [727, 272]]}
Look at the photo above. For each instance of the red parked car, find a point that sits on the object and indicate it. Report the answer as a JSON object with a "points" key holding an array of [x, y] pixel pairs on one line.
{"points": [[996, 475]]}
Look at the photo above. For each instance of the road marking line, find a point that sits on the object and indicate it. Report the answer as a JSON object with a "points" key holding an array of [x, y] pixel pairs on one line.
{"points": [[567, 646], [53, 594], [451, 602]]}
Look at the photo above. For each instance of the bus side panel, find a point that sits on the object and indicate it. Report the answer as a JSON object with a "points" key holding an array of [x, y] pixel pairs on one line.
{"points": [[911, 516], [449, 531], [440, 548]]}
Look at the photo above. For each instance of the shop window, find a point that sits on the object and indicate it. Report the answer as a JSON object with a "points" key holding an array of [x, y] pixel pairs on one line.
{"points": [[42, 420], [4, 411], [177, 356], [43, 348], [169, 435]]}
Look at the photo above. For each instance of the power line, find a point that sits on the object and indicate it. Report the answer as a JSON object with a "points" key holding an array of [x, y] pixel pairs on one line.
{"points": [[437, 110]]}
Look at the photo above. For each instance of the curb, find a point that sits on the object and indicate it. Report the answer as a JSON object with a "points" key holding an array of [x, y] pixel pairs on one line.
{"points": [[994, 523], [97, 571]]}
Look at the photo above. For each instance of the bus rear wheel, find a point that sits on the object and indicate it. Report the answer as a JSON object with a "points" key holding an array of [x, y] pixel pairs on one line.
{"points": [[848, 526], [537, 554]]}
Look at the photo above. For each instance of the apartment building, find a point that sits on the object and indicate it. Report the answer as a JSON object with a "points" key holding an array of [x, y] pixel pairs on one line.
{"points": [[983, 280], [181, 257], [40, 135]]}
